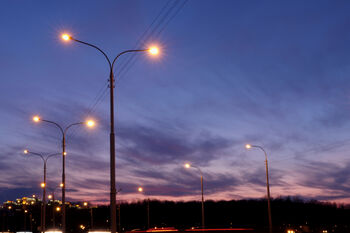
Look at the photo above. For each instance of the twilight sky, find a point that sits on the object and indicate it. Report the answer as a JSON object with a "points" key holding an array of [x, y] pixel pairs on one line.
{"points": [[274, 74]]}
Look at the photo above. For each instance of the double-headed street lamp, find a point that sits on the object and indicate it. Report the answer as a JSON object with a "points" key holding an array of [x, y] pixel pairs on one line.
{"points": [[248, 146], [113, 192], [187, 165], [43, 185], [63, 131]]}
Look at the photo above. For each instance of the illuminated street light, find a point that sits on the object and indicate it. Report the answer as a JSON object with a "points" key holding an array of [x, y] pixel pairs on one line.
{"points": [[154, 50], [90, 123], [63, 131], [140, 189], [43, 184], [187, 165], [113, 191], [249, 146], [66, 37], [58, 209], [36, 118]]}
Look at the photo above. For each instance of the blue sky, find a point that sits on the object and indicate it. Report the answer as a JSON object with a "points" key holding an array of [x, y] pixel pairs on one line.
{"points": [[274, 74]]}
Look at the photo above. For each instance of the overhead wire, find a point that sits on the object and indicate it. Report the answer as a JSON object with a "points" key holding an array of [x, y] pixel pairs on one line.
{"points": [[167, 17]]}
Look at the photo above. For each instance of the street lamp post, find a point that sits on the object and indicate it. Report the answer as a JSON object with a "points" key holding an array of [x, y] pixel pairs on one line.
{"points": [[43, 185], [187, 165], [113, 191], [63, 131], [248, 146], [140, 189]]}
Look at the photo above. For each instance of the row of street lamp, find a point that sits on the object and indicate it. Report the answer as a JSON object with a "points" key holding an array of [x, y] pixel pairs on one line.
{"points": [[152, 51], [188, 165]]}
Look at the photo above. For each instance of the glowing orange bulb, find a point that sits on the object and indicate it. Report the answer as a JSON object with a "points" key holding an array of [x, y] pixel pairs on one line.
{"points": [[61, 185], [140, 189], [25, 151], [85, 203], [50, 196], [43, 185], [248, 146], [90, 123], [66, 37], [154, 50], [187, 165], [58, 209], [36, 118]]}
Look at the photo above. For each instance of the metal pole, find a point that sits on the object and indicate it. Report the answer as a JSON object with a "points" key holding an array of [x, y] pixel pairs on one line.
{"points": [[64, 183], [53, 209], [148, 214], [203, 225], [112, 154], [268, 196], [44, 200], [119, 226], [25, 220], [91, 219]]}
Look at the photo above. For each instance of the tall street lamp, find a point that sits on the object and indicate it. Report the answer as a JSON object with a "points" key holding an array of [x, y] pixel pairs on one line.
{"points": [[63, 131], [248, 146], [113, 192], [187, 165], [140, 189], [43, 185]]}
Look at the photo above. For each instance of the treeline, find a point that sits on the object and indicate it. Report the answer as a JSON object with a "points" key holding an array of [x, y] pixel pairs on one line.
{"points": [[294, 213]]}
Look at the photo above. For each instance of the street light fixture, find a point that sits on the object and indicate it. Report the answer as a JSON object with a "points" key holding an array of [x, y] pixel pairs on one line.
{"points": [[249, 146], [88, 123], [187, 165], [43, 185], [113, 192]]}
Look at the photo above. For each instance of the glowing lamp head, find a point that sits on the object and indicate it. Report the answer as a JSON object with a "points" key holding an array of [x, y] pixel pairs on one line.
{"points": [[187, 165], [66, 37], [25, 151], [140, 189], [85, 203], [43, 185], [36, 118], [25, 211], [61, 185], [10, 207], [58, 209], [154, 50], [248, 146], [90, 123], [50, 196]]}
